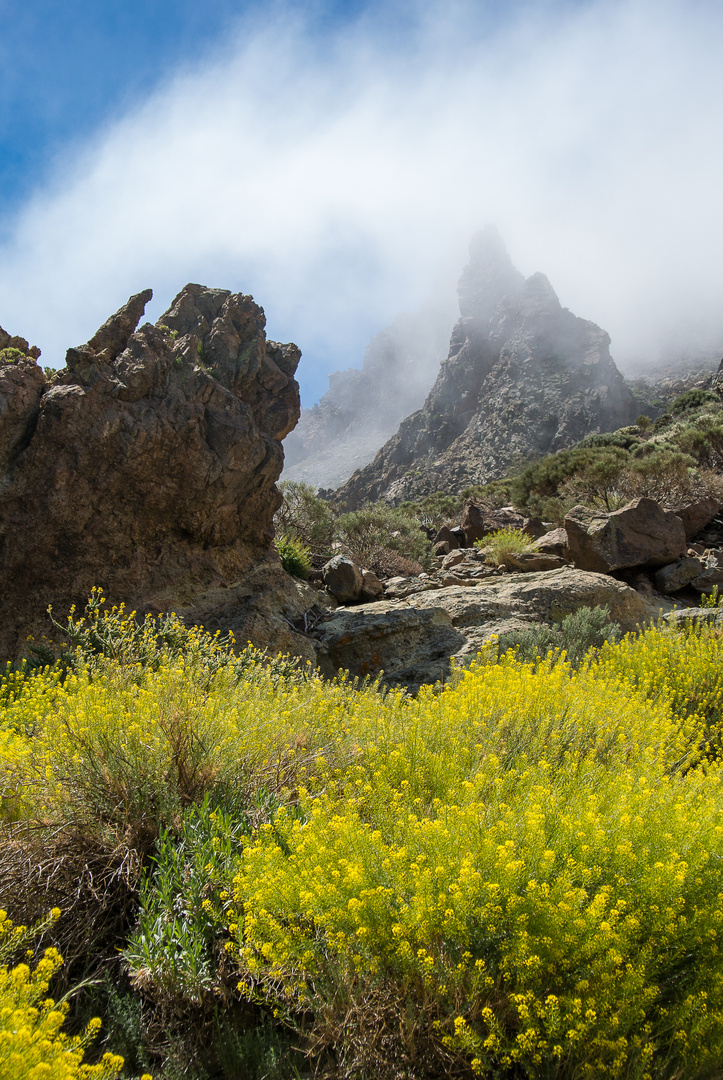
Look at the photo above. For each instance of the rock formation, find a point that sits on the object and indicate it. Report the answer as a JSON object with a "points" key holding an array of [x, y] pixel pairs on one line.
{"points": [[524, 377], [362, 409], [413, 637], [147, 466]]}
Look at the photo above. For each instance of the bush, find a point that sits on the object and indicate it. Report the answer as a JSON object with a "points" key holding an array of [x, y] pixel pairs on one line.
{"points": [[11, 355], [498, 545], [103, 633], [518, 874], [515, 876], [577, 635], [366, 535], [693, 399], [294, 556], [32, 1044], [305, 517]]}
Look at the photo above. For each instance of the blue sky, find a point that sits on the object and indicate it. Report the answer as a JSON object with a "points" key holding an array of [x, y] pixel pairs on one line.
{"points": [[333, 160]]}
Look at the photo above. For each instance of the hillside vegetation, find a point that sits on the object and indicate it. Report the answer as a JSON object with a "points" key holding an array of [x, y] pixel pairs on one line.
{"points": [[259, 872], [674, 459]]}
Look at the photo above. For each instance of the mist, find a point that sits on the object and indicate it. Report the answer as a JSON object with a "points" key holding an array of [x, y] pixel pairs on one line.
{"points": [[337, 174]]}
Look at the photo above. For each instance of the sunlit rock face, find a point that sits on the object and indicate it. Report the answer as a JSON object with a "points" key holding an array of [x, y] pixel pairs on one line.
{"points": [[523, 377], [363, 408], [146, 466]]}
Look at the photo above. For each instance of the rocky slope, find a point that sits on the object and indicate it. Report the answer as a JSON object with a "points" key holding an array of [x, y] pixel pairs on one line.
{"points": [[362, 409], [147, 466], [524, 377]]}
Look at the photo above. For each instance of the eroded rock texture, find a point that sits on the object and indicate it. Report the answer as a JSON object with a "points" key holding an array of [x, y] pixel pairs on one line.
{"points": [[147, 466], [524, 377]]}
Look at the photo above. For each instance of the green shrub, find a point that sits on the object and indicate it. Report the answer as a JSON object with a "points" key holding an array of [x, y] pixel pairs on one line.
{"points": [[577, 635], [11, 355], [366, 535], [306, 517], [294, 556], [693, 399], [498, 545], [182, 922]]}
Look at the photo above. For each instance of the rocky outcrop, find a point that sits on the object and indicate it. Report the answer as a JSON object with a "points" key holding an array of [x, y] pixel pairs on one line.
{"points": [[524, 377], [362, 409], [639, 534], [413, 639], [147, 466]]}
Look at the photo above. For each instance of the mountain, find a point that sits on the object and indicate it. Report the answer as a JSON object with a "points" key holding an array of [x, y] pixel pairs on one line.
{"points": [[523, 377], [363, 408]]}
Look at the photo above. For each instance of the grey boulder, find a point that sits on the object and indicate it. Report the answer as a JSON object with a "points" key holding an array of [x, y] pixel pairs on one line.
{"points": [[639, 534], [343, 579]]}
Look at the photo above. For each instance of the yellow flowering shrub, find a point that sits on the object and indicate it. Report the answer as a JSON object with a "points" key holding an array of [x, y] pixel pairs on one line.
{"points": [[520, 869], [681, 667], [523, 851], [32, 1045]]}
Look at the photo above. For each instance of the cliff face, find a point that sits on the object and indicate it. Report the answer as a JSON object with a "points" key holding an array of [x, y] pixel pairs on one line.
{"points": [[524, 377], [146, 466], [362, 409]]}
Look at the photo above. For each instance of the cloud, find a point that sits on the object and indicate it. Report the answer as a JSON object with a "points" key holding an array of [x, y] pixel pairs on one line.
{"points": [[338, 174]]}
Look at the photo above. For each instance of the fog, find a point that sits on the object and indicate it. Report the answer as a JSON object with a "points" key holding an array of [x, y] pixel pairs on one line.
{"points": [[337, 176]]}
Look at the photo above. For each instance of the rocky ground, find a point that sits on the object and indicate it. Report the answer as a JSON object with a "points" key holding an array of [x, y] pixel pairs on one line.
{"points": [[415, 628]]}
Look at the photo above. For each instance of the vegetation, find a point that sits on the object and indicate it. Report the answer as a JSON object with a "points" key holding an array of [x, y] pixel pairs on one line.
{"points": [[576, 636], [515, 875], [32, 1044], [295, 557], [11, 355], [388, 540], [674, 460], [502, 543]]}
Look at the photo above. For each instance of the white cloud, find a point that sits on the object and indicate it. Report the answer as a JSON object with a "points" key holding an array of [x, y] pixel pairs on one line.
{"points": [[339, 178]]}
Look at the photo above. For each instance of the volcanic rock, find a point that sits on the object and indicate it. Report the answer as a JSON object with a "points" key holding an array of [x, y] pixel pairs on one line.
{"points": [[553, 543], [695, 516], [343, 579], [412, 640], [524, 377], [147, 467], [677, 575], [478, 522], [639, 534]]}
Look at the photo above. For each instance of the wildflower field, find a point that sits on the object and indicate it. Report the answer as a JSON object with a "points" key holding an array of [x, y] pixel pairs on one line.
{"points": [[263, 874]]}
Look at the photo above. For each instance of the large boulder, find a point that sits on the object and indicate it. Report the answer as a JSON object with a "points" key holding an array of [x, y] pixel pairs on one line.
{"points": [[413, 640], [147, 466], [343, 579], [446, 536], [711, 574], [553, 542], [639, 534]]}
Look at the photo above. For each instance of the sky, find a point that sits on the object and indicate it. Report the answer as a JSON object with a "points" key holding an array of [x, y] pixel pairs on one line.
{"points": [[334, 158]]}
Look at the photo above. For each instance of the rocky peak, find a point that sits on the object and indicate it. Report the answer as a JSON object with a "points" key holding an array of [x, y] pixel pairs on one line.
{"points": [[489, 278], [523, 377]]}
